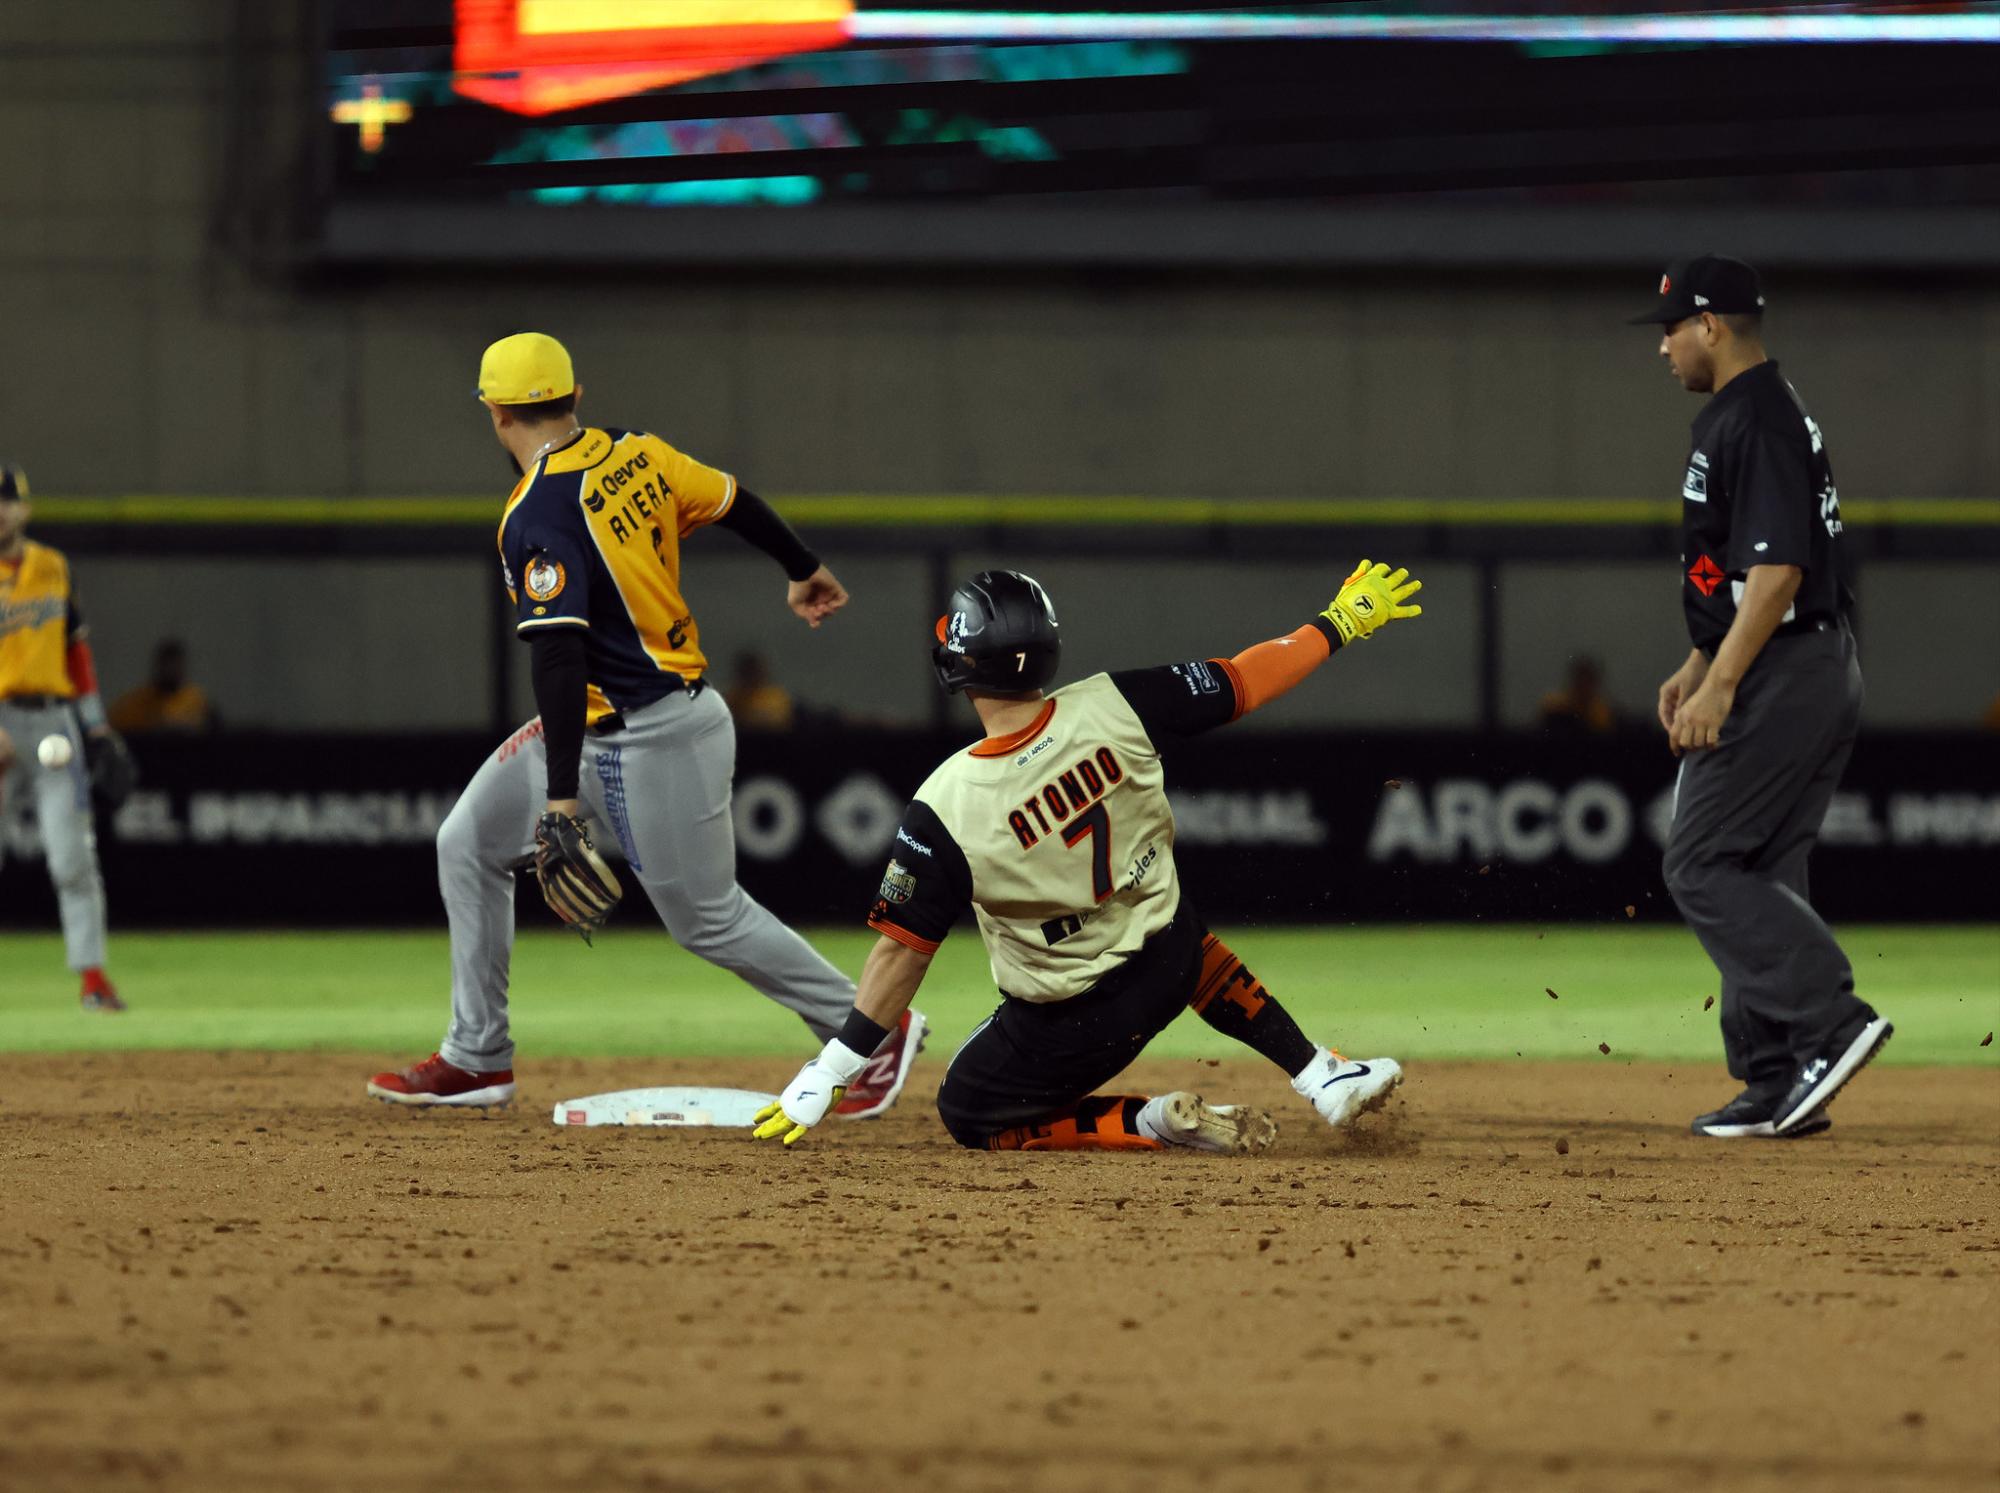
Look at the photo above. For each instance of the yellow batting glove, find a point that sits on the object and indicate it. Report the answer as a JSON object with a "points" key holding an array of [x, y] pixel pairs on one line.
{"points": [[774, 1124], [1370, 598], [810, 1097]]}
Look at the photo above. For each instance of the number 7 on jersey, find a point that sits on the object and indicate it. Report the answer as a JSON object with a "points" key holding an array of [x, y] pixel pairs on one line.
{"points": [[1096, 826]]}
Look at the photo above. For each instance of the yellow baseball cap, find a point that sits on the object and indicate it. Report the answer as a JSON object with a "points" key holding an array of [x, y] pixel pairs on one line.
{"points": [[525, 368]]}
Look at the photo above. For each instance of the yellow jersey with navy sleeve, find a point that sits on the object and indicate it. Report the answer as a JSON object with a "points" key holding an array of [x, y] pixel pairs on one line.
{"points": [[591, 539], [38, 622]]}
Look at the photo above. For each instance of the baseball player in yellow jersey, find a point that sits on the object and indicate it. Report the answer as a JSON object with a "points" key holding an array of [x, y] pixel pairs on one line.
{"points": [[1057, 832], [629, 733], [48, 685]]}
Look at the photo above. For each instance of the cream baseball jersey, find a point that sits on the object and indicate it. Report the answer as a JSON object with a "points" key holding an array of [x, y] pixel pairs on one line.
{"points": [[1059, 837]]}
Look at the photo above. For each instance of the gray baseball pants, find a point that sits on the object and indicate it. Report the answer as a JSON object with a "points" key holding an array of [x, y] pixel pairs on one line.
{"points": [[1746, 814], [659, 790], [62, 811]]}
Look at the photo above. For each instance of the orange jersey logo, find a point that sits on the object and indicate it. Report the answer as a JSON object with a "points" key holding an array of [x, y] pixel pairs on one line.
{"points": [[545, 579]]}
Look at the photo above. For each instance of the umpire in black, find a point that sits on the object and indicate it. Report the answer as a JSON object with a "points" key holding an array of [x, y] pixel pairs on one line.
{"points": [[1764, 711]]}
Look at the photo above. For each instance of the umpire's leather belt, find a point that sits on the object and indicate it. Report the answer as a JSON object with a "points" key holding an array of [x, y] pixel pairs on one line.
{"points": [[33, 702]]}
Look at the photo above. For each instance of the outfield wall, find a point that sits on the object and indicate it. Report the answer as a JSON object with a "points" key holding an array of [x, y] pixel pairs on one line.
{"points": [[1306, 827], [416, 642]]}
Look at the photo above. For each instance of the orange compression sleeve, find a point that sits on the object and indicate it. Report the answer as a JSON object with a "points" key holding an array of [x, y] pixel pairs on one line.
{"points": [[1268, 670]]}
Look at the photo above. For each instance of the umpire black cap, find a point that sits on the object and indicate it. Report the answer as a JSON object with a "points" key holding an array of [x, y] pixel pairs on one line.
{"points": [[1000, 634], [1707, 282], [13, 483]]}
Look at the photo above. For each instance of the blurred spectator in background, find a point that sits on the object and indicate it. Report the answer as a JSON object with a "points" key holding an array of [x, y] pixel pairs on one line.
{"points": [[758, 701], [1581, 706], [168, 700]]}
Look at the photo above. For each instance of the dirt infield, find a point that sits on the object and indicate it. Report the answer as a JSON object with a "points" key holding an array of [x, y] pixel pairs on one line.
{"points": [[234, 1272]]}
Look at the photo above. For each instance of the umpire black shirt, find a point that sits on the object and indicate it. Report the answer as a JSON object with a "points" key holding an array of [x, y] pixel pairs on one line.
{"points": [[1758, 491]]}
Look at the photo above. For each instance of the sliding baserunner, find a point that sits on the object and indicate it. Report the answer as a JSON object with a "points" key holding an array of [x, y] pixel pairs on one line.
{"points": [[1056, 830]]}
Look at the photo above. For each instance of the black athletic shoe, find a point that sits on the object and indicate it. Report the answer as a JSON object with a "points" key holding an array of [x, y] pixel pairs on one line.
{"points": [[1824, 1073], [1748, 1116]]}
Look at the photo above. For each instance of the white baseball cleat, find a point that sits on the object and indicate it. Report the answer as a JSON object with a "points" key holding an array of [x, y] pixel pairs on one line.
{"points": [[1821, 1078], [1343, 1090], [1183, 1119]]}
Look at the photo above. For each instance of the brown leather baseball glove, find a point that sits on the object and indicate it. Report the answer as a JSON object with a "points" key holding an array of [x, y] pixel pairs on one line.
{"points": [[576, 882]]}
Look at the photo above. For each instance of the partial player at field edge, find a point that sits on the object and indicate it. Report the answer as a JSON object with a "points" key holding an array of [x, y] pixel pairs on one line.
{"points": [[48, 690]]}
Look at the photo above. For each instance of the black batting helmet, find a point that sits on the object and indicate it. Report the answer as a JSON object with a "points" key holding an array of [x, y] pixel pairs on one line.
{"points": [[1000, 634], [13, 483]]}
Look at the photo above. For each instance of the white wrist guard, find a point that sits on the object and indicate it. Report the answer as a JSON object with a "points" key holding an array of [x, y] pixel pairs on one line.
{"points": [[842, 1061]]}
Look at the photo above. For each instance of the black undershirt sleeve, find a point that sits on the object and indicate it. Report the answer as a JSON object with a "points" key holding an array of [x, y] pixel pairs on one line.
{"points": [[758, 523], [1179, 699], [927, 885], [562, 689]]}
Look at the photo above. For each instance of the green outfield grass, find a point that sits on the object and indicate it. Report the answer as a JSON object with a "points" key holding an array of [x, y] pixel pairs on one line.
{"points": [[1432, 991]]}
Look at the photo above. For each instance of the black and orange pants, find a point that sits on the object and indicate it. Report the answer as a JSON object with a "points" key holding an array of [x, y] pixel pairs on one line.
{"points": [[1031, 1061]]}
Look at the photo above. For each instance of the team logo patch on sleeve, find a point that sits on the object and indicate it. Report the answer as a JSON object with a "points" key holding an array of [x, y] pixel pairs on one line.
{"points": [[545, 578], [899, 883]]}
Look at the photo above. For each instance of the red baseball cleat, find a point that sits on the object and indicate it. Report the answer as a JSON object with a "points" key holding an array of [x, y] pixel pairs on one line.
{"points": [[434, 1081], [98, 994], [882, 1080]]}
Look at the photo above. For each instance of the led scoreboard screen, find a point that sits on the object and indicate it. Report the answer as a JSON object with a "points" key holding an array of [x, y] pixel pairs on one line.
{"points": [[674, 103], [755, 108]]}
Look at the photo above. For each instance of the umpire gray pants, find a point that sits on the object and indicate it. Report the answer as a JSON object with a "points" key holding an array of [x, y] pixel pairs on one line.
{"points": [[1746, 814], [659, 790], [62, 813]]}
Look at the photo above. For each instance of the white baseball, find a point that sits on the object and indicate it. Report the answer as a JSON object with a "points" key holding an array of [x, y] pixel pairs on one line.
{"points": [[54, 752]]}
